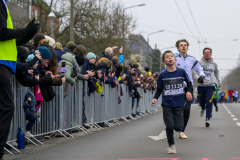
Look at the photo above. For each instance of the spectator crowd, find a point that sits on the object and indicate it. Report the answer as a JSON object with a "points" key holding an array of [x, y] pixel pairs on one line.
{"points": [[47, 63], [230, 96]]}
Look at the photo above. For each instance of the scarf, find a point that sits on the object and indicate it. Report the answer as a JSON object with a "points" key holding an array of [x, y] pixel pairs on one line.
{"points": [[78, 69]]}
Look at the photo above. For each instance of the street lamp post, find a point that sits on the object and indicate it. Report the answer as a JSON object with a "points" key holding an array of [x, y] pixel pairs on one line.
{"points": [[161, 56], [148, 46], [51, 15], [140, 5]]}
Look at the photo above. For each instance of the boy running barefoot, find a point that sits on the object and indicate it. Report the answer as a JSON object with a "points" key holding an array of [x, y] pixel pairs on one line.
{"points": [[170, 82]]}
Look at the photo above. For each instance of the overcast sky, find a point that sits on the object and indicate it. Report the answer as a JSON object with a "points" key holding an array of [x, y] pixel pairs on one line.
{"points": [[217, 20]]}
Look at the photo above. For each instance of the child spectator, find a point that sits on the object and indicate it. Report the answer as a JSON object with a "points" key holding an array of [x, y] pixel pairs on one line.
{"points": [[29, 105], [171, 81], [136, 83], [89, 64], [37, 91]]}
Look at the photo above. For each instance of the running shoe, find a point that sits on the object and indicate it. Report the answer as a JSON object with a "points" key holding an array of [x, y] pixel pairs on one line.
{"points": [[202, 113], [171, 149], [207, 123], [216, 109], [182, 135], [28, 134]]}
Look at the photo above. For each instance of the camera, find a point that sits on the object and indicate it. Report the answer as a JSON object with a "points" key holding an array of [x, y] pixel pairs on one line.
{"points": [[118, 48]]}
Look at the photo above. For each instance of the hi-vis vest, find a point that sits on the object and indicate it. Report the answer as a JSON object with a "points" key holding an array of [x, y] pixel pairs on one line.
{"points": [[8, 49]]}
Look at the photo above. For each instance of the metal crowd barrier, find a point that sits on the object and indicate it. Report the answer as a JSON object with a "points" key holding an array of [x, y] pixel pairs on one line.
{"points": [[66, 111]]}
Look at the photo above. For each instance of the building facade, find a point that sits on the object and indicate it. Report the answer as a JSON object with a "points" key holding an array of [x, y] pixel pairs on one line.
{"points": [[139, 49], [19, 10]]}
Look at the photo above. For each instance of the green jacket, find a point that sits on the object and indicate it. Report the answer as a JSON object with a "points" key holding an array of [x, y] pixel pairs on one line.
{"points": [[216, 91], [71, 68]]}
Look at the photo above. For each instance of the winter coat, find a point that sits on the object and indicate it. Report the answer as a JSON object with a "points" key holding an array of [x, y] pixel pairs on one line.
{"points": [[22, 73], [59, 53], [121, 58], [128, 78], [107, 67], [46, 83], [230, 93], [87, 66], [72, 70]]}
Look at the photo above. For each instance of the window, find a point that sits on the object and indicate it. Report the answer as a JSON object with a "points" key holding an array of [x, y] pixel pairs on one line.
{"points": [[138, 59]]}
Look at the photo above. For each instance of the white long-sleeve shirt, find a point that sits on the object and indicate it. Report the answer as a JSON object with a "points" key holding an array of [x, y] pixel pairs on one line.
{"points": [[189, 64]]}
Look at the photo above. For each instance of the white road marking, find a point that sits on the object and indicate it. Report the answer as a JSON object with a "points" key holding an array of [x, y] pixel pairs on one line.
{"points": [[229, 112], [235, 119], [232, 115], [162, 135], [238, 123]]}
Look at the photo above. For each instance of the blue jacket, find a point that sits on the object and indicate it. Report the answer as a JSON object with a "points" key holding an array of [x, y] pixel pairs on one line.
{"points": [[87, 66], [59, 53], [121, 58]]}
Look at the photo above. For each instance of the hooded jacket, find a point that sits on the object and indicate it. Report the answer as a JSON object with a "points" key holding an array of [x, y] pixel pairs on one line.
{"points": [[71, 68], [211, 72], [59, 53]]}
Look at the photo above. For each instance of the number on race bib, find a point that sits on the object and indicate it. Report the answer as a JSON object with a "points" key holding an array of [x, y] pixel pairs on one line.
{"points": [[173, 86]]}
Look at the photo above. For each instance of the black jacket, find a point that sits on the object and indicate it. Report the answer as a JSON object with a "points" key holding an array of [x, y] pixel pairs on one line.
{"points": [[22, 73]]}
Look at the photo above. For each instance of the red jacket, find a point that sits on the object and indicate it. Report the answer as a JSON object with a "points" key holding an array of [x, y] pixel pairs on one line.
{"points": [[230, 93]]}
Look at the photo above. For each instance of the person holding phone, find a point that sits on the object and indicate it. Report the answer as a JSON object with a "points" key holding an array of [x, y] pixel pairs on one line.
{"points": [[72, 65]]}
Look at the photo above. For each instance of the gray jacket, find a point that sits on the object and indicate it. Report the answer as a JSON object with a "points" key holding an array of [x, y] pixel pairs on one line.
{"points": [[211, 73]]}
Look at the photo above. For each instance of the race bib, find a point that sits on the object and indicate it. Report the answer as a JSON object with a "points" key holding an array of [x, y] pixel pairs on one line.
{"points": [[173, 86], [208, 75]]}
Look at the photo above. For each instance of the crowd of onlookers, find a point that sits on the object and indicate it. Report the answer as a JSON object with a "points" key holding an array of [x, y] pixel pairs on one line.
{"points": [[230, 96], [47, 63]]}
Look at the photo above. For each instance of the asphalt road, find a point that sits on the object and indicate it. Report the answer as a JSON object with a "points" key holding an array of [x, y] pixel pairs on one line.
{"points": [[130, 140]]}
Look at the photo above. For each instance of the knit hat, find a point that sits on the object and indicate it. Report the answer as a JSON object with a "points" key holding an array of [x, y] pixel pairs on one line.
{"points": [[57, 46], [37, 38], [22, 54], [52, 41], [91, 55], [69, 44], [30, 57], [71, 48], [80, 60], [45, 53]]}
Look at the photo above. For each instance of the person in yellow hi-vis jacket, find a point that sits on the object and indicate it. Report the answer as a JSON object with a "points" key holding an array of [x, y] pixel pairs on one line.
{"points": [[226, 95], [9, 40]]}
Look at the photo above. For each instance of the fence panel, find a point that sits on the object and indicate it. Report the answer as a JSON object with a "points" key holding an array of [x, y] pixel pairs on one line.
{"points": [[65, 111]]}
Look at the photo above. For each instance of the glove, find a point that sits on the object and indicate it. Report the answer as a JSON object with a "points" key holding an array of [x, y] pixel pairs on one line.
{"points": [[201, 79], [32, 28]]}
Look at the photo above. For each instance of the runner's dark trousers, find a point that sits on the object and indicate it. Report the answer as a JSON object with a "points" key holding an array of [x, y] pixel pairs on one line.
{"points": [[6, 105], [206, 97], [187, 109], [173, 119]]}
